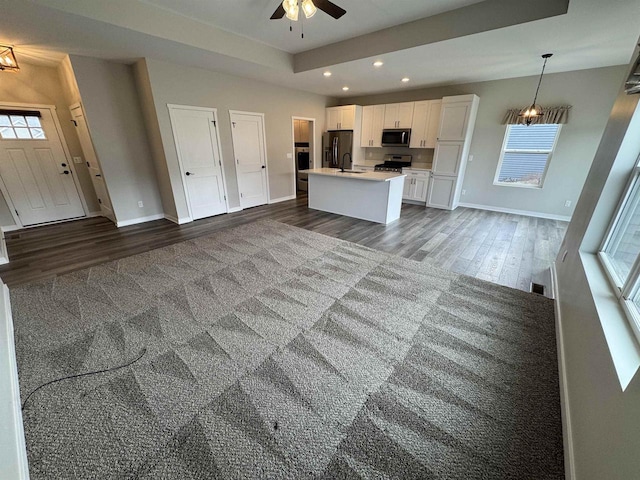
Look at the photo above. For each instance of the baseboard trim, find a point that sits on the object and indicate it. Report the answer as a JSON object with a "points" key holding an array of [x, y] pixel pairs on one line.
{"points": [[176, 220], [135, 221], [235, 209], [13, 448], [282, 199], [95, 214], [569, 458], [526, 213]]}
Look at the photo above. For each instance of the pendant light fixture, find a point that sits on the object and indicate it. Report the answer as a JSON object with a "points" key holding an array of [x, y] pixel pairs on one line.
{"points": [[8, 62], [535, 110]]}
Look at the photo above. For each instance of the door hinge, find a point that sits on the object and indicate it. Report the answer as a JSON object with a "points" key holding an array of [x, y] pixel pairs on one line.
{"points": [[99, 201], [17, 212], [241, 196], [225, 198], [88, 165], [75, 123], [219, 163], [214, 123]]}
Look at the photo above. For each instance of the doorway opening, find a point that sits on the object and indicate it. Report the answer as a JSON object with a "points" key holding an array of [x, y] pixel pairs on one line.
{"points": [[304, 151]]}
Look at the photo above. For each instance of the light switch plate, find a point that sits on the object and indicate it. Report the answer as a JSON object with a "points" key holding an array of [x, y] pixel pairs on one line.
{"points": [[77, 159], [289, 155]]}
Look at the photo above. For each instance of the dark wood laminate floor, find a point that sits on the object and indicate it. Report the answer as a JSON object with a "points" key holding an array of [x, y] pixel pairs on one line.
{"points": [[503, 248]]}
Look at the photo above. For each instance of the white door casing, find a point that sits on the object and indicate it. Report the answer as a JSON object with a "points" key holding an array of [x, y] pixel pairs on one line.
{"points": [[91, 159], [37, 176], [198, 149], [249, 148]]}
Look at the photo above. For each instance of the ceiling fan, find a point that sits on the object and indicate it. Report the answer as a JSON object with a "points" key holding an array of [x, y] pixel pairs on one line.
{"points": [[290, 8]]}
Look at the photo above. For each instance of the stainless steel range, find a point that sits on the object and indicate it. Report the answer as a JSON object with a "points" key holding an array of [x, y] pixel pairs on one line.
{"points": [[394, 163]]}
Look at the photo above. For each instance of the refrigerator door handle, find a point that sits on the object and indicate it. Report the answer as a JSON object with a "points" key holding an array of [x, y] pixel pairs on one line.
{"points": [[334, 163]]}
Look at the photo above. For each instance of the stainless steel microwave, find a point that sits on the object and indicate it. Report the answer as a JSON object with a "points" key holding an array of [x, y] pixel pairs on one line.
{"points": [[396, 137]]}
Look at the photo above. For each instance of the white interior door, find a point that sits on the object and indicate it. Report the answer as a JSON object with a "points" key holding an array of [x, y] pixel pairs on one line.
{"points": [[97, 178], [35, 170], [247, 131], [194, 131]]}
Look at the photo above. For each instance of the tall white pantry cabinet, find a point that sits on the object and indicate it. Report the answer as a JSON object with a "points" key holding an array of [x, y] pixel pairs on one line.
{"points": [[457, 122]]}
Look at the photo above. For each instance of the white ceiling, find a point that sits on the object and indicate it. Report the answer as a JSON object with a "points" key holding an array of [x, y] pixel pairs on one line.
{"points": [[588, 36], [250, 18]]}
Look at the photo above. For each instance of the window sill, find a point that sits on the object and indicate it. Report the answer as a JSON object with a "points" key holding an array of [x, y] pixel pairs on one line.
{"points": [[519, 185], [621, 340]]}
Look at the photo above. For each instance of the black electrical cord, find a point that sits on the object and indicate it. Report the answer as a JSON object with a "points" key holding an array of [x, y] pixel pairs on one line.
{"points": [[144, 350]]}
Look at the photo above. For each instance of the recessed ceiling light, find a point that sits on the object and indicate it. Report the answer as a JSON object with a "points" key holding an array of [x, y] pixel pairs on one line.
{"points": [[378, 63], [345, 88], [327, 74], [405, 79]]}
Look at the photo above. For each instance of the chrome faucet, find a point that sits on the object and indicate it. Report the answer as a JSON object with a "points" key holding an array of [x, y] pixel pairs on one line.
{"points": [[342, 168]]}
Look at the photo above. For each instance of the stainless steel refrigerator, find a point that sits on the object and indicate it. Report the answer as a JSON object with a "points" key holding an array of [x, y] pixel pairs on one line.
{"points": [[335, 145]]}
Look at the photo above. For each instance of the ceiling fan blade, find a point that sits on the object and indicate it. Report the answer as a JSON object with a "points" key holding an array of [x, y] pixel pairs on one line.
{"points": [[279, 13], [330, 8]]}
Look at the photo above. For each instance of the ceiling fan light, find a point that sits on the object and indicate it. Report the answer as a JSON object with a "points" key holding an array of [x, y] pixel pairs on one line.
{"points": [[308, 8], [292, 14]]}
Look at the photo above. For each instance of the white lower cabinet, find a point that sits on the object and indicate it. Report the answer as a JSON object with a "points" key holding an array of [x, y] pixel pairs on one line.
{"points": [[441, 192], [416, 185]]}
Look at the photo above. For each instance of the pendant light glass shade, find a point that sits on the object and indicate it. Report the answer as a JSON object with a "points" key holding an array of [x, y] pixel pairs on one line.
{"points": [[8, 62], [534, 110], [308, 8]]}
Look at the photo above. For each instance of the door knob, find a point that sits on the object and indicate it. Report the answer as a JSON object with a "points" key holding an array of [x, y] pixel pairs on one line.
{"points": [[189, 173], [264, 166], [63, 164], [66, 172]]}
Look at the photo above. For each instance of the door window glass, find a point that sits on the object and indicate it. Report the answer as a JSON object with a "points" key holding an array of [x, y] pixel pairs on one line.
{"points": [[21, 127]]}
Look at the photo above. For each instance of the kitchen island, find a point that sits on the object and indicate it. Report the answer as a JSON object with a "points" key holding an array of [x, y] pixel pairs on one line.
{"points": [[373, 196]]}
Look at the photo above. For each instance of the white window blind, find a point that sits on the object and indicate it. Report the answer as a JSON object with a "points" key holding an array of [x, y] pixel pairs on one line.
{"points": [[525, 156]]}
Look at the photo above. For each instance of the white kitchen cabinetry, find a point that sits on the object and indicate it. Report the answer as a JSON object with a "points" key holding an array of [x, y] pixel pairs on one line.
{"points": [[398, 115], [372, 124], [447, 158], [426, 122], [416, 186], [454, 118], [341, 118], [441, 192], [452, 150]]}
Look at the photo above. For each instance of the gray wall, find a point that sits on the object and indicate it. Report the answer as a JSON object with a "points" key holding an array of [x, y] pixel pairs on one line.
{"points": [[173, 84], [591, 94], [605, 420], [37, 84], [112, 106]]}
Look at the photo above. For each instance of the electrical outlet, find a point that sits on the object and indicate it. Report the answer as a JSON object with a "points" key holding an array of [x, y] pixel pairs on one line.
{"points": [[567, 203], [140, 204], [464, 192], [289, 155], [471, 158], [370, 154], [77, 159]]}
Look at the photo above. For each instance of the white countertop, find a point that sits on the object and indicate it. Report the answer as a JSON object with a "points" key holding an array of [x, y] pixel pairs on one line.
{"points": [[371, 176]]}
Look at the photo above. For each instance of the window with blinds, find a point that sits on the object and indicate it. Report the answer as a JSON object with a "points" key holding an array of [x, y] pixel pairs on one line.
{"points": [[525, 155]]}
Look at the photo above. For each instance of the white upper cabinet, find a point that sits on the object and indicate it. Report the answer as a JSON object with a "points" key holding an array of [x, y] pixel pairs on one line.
{"points": [[454, 119], [426, 122], [341, 118], [372, 123], [398, 115]]}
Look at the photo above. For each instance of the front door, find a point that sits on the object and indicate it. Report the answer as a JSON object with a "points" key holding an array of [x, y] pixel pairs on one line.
{"points": [[93, 165], [247, 131], [34, 168], [194, 131]]}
